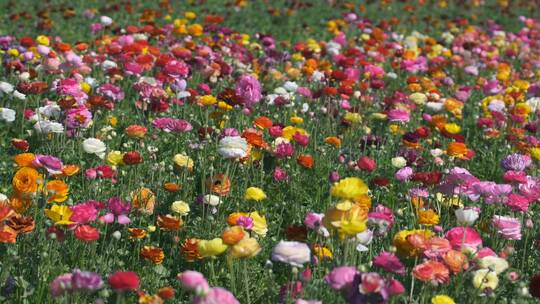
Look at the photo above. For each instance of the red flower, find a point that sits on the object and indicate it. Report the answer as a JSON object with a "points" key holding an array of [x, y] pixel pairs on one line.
{"points": [[124, 281], [87, 233], [366, 163], [132, 158], [20, 144], [306, 161]]}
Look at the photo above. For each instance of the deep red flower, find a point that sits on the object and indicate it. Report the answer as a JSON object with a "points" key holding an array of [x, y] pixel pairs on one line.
{"points": [[132, 158], [366, 163], [534, 285]]}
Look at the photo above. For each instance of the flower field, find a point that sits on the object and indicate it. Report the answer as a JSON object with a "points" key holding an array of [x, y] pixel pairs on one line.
{"points": [[220, 152]]}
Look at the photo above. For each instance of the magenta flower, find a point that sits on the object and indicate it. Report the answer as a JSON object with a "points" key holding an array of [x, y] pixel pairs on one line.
{"points": [[176, 69], [111, 91], [398, 115], [517, 202], [61, 285], [118, 210], [86, 280], [249, 88], [172, 125], [52, 164], [84, 213], [389, 262], [284, 150], [280, 174], [79, 117]]}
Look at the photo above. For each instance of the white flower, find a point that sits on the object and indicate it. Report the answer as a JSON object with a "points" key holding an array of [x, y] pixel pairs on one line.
{"points": [[436, 152], [50, 111], [6, 87], [466, 216], [7, 114], [94, 146], [333, 48], [317, 76], [493, 263], [534, 103], [233, 147], [399, 162], [211, 200], [364, 239], [484, 278], [418, 98], [290, 86], [3, 197], [435, 106], [496, 105], [391, 75], [19, 95], [108, 64], [105, 20], [46, 127], [292, 253]]}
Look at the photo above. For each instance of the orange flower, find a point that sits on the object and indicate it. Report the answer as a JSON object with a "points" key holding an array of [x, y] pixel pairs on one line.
{"points": [[232, 235], [219, 184], [190, 250], [144, 200], [263, 122], [233, 217], [166, 293], [21, 224], [169, 223], [456, 261], [306, 161], [19, 204], [136, 233], [27, 181], [153, 254], [136, 131], [254, 137], [70, 170], [7, 234], [6, 212], [333, 140], [322, 252], [457, 149], [24, 159], [428, 217], [57, 191], [431, 271], [172, 187]]}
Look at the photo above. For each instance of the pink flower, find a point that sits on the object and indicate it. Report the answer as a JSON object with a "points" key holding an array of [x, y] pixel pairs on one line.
{"points": [[341, 277], [460, 237], [275, 131], [249, 88], [515, 176], [216, 295], [404, 174], [383, 218], [193, 280], [111, 91], [508, 227], [172, 125], [284, 150], [52, 164], [517, 202], [79, 117], [84, 213], [398, 115], [395, 287], [437, 247], [313, 220], [176, 69], [302, 140], [280, 174], [389, 262]]}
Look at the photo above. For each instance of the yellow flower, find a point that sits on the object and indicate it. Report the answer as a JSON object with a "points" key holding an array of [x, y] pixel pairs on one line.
{"points": [[535, 153], [86, 87], [182, 160], [428, 217], [453, 201], [349, 188], [43, 40], [297, 120], [180, 207], [254, 194], [211, 248], [248, 247], [224, 106], [351, 227], [353, 117], [113, 120], [442, 299], [13, 52], [190, 15], [418, 98], [378, 116], [289, 131], [260, 226], [60, 215], [115, 158], [485, 278], [452, 128], [322, 252], [208, 100]]}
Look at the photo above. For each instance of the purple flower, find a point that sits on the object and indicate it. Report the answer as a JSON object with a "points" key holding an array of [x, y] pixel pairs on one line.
{"points": [[249, 88], [404, 174], [52, 164], [85, 280], [245, 221], [516, 162], [118, 209]]}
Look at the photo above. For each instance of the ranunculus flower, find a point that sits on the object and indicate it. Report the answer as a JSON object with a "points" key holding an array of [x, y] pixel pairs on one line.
{"points": [[124, 281], [292, 253], [249, 89], [389, 262], [508, 227], [94, 146], [460, 237], [341, 278], [233, 147], [87, 233]]}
